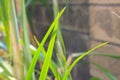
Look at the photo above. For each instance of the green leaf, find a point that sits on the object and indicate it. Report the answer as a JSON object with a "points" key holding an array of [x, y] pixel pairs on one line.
{"points": [[79, 58], [94, 78], [28, 2], [33, 63], [52, 26], [2, 28], [40, 48], [67, 6], [60, 47], [53, 66], [107, 73], [25, 37], [5, 69], [109, 55], [45, 2], [4, 17], [48, 57]]}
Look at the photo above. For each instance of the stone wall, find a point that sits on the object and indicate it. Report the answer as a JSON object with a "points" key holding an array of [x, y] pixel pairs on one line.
{"points": [[87, 23]]}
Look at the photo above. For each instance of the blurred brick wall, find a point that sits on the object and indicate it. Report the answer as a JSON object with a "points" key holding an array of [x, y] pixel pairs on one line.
{"points": [[87, 22], [105, 26]]}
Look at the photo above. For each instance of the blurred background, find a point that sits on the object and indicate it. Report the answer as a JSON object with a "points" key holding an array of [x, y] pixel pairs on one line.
{"points": [[85, 24]]}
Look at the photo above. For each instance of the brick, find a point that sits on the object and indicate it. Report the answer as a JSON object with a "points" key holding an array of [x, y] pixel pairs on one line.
{"points": [[105, 1], [104, 24], [77, 18], [111, 64], [43, 15]]}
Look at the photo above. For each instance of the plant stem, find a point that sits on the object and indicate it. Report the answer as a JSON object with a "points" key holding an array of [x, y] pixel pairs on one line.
{"points": [[14, 34], [25, 35]]}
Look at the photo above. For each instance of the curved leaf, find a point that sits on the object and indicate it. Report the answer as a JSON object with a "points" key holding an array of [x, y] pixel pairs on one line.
{"points": [[79, 58]]}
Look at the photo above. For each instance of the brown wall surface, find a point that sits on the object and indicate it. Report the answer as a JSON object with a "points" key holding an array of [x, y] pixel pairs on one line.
{"points": [[110, 64], [105, 26]]}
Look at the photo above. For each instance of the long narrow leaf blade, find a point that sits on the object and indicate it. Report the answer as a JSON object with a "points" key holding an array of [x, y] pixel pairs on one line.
{"points": [[109, 55], [33, 63], [79, 58], [53, 66], [47, 59], [48, 56], [52, 26], [36, 56]]}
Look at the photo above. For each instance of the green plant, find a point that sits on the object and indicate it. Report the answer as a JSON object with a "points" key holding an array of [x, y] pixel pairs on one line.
{"points": [[101, 67], [12, 38], [22, 57]]}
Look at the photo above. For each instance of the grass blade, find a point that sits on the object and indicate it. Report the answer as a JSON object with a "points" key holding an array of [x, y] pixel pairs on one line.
{"points": [[53, 66], [60, 47], [33, 63], [36, 56], [28, 2], [49, 54], [48, 57], [94, 78], [14, 34], [26, 40], [52, 26], [109, 55], [79, 58], [4, 17], [45, 2], [7, 67]]}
